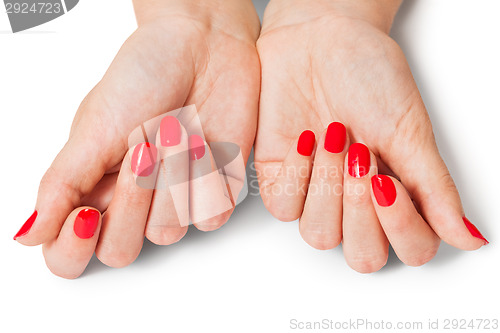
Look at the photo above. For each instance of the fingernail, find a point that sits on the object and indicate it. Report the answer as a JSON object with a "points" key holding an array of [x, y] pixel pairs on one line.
{"points": [[196, 147], [473, 230], [358, 160], [335, 138], [144, 159], [305, 146], [86, 223], [170, 131], [26, 226], [384, 190]]}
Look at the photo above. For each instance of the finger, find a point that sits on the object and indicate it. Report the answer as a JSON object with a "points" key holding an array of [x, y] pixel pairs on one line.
{"points": [[69, 254], [415, 158], [168, 218], [210, 203], [365, 245], [284, 185], [122, 233], [321, 221], [413, 240]]}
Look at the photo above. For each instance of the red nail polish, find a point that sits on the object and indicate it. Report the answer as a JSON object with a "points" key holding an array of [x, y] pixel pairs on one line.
{"points": [[305, 146], [86, 223], [26, 226], [170, 131], [144, 159], [384, 190], [358, 160], [335, 137], [474, 231], [196, 147]]}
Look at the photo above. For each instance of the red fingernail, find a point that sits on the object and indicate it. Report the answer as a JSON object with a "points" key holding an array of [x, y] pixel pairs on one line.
{"points": [[384, 190], [358, 160], [196, 147], [473, 230], [86, 223], [144, 159], [170, 131], [26, 226], [305, 146], [335, 137]]}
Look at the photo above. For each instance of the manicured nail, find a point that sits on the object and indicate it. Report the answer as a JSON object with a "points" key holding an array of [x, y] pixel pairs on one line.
{"points": [[26, 226], [144, 159], [86, 223], [305, 146], [358, 160], [170, 131], [384, 190], [196, 147], [473, 230], [335, 138]]}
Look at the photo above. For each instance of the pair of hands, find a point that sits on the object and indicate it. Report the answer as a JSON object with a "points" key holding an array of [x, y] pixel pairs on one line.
{"points": [[312, 63]]}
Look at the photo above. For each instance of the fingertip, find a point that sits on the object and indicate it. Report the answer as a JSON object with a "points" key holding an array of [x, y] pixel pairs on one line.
{"points": [[144, 159], [335, 138], [86, 223], [474, 231], [68, 255], [26, 227], [384, 190], [306, 143]]}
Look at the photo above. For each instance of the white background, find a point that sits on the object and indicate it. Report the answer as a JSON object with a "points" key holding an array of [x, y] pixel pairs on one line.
{"points": [[255, 274]]}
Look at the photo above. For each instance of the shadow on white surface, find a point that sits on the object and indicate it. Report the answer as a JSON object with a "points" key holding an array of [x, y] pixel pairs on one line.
{"points": [[153, 255]]}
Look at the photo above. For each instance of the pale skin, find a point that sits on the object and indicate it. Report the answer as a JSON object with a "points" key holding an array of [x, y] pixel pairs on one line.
{"points": [[317, 62]]}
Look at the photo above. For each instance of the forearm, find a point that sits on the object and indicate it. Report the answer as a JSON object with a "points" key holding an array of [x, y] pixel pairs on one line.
{"points": [[223, 14], [379, 13]]}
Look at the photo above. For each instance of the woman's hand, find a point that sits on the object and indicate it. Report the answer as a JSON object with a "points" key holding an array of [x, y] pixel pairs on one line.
{"points": [[324, 61], [183, 53]]}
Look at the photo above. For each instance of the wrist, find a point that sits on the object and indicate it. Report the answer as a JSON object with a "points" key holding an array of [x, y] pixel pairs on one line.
{"points": [[379, 13], [236, 17]]}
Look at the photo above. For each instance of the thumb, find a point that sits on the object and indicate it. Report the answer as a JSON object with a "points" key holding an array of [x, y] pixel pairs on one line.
{"points": [[73, 174], [415, 158]]}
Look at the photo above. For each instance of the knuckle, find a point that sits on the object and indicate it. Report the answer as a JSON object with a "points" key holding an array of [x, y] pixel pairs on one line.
{"points": [[396, 226], [132, 198], [357, 196], [51, 179], [447, 182]]}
